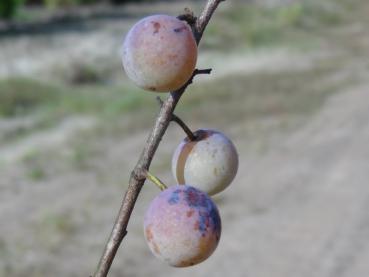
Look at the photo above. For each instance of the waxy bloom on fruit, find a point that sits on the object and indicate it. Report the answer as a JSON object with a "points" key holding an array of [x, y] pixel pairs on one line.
{"points": [[159, 53], [182, 226], [210, 162]]}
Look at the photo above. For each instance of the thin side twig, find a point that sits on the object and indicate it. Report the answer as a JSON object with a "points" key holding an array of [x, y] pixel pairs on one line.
{"points": [[138, 178], [155, 180], [185, 128]]}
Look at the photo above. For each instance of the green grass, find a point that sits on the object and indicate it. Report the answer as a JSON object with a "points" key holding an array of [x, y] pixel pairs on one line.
{"points": [[36, 173], [35, 168], [47, 104], [3, 249], [55, 229], [253, 25], [20, 97], [238, 99]]}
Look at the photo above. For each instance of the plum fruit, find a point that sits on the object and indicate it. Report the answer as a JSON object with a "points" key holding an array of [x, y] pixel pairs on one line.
{"points": [[159, 53], [182, 226], [210, 161]]}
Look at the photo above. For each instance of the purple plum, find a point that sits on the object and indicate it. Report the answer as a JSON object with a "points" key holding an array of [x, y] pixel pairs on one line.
{"points": [[182, 226]]}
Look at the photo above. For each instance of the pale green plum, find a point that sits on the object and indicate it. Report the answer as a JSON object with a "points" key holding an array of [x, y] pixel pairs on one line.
{"points": [[210, 162], [159, 53]]}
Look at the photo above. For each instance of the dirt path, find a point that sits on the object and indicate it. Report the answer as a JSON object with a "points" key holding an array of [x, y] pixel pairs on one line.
{"points": [[302, 209]]}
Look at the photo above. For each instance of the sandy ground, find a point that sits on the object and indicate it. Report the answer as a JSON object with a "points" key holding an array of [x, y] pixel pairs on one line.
{"points": [[298, 208]]}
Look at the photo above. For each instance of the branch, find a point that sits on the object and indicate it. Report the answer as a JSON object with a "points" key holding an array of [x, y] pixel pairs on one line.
{"points": [[156, 181], [138, 177], [185, 128]]}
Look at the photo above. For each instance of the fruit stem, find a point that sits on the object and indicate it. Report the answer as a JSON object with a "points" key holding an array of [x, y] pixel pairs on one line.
{"points": [[185, 128], [155, 180]]}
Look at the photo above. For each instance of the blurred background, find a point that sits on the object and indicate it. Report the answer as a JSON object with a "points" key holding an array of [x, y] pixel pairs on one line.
{"points": [[289, 86]]}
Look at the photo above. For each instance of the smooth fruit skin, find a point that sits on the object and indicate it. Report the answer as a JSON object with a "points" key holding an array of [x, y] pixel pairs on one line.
{"points": [[210, 162], [182, 226], [159, 53]]}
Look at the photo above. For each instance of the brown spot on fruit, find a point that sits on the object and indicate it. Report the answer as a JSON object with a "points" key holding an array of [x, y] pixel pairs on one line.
{"points": [[149, 235], [197, 225], [155, 248], [184, 263], [204, 246], [152, 88], [190, 213], [172, 57], [202, 134], [202, 253], [156, 26], [150, 239]]}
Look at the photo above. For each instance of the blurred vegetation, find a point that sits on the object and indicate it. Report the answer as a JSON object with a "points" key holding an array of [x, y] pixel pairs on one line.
{"points": [[54, 229], [241, 25], [8, 8], [20, 96], [257, 25], [281, 93], [86, 88], [66, 3]]}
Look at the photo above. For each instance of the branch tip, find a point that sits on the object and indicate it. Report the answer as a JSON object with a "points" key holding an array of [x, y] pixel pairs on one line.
{"points": [[202, 71], [188, 16], [155, 180], [160, 101]]}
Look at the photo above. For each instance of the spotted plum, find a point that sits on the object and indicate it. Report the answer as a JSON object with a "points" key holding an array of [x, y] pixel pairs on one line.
{"points": [[159, 53], [182, 226]]}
